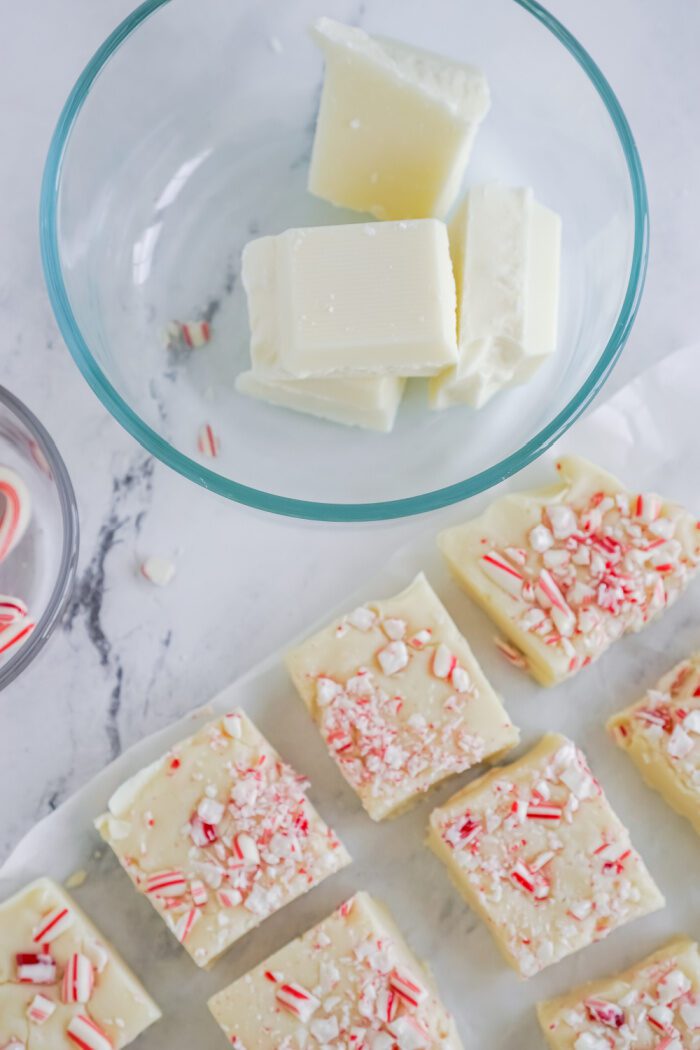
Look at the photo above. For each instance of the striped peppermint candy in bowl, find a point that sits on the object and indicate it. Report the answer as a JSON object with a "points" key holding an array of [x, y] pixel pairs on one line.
{"points": [[38, 537]]}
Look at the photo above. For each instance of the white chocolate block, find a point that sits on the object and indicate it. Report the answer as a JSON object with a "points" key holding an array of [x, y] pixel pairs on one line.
{"points": [[661, 734], [350, 981], [219, 835], [654, 1005], [506, 254], [535, 849], [370, 403], [399, 698], [565, 571], [358, 300], [395, 127], [58, 974]]}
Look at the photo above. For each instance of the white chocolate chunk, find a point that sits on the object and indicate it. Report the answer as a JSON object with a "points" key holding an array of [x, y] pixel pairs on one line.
{"points": [[399, 716], [352, 973], [548, 877], [359, 300], [395, 126], [661, 734], [219, 835], [575, 593], [505, 252], [39, 997], [371, 403], [632, 1011]]}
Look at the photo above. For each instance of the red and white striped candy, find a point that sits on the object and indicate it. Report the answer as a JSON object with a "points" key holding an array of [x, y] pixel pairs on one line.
{"points": [[167, 884], [245, 849], [604, 1012], [647, 508], [202, 834], [15, 510], [461, 682], [207, 441], [405, 987], [11, 609], [195, 333], [36, 968], [211, 811], [15, 633], [503, 573], [40, 1009], [53, 925], [387, 1004], [421, 638], [229, 898], [200, 894], [78, 980], [514, 657], [86, 1034], [548, 593], [444, 662], [183, 926], [298, 1001], [540, 812]]}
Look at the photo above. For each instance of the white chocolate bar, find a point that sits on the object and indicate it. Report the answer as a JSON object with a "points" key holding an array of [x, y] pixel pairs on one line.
{"points": [[369, 403], [566, 571], [60, 979], [219, 835], [350, 981], [399, 698], [661, 734], [395, 127], [654, 1005], [536, 850], [361, 300], [505, 252]]}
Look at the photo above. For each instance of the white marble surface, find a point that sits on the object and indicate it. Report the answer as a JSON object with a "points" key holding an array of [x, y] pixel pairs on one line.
{"points": [[132, 658]]}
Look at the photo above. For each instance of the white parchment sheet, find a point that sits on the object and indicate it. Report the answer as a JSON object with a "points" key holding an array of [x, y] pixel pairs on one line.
{"points": [[649, 434]]}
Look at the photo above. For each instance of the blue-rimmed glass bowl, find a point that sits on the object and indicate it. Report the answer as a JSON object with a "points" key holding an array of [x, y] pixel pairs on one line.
{"points": [[189, 133]]}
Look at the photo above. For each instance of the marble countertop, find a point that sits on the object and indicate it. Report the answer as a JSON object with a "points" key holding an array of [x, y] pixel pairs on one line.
{"points": [[131, 658]]}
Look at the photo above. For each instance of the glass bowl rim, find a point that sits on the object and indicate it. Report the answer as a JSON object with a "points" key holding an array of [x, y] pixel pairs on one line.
{"points": [[310, 509], [65, 579]]}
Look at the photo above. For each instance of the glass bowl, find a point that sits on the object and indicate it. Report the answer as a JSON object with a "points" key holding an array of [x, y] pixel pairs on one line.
{"points": [[189, 133], [41, 567]]}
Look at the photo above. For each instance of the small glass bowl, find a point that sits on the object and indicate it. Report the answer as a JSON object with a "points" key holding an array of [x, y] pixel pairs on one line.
{"points": [[41, 568], [189, 133]]}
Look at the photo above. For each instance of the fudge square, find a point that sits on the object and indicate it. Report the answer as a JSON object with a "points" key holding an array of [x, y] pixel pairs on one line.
{"points": [[536, 850], [654, 1005], [661, 734], [399, 698], [351, 981], [218, 834], [567, 570], [62, 985]]}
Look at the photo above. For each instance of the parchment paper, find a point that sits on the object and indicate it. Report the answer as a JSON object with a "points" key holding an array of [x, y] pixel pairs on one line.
{"points": [[648, 434]]}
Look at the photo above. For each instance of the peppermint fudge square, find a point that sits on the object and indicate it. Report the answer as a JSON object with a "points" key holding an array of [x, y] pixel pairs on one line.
{"points": [[536, 850], [661, 734], [567, 570], [655, 1005], [219, 834], [62, 985], [351, 981], [399, 698]]}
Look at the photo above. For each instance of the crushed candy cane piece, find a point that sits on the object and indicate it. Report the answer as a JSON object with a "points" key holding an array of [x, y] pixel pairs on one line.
{"points": [[35, 968], [40, 1009], [298, 1001], [78, 979], [86, 1034], [208, 442], [158, 571], [53, 925]]}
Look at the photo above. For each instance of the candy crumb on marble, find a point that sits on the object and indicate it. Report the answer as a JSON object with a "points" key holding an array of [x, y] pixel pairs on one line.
{"points": [[158, 571], [661, 734], [208, 441], [566, 571], [219, 834], [537, 852], [351, 973], [654, 1005], [399, 698], [191, 334], [61, 984]]}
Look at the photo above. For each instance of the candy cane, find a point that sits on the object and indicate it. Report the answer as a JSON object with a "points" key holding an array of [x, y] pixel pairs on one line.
{"points": [[405, 987], [35, 968], [11, 609], [78, 980], [503, 573], [15, 512], [53, 925], [87, 1035], [207, 441], [40, 1009], [15, 633], [298, 1001]]}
